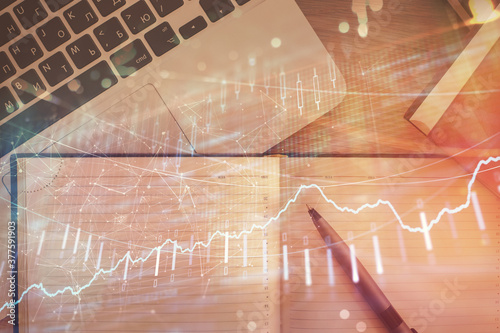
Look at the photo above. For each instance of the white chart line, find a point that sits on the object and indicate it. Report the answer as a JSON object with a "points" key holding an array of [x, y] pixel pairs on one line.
{"points": [[379, 202]]}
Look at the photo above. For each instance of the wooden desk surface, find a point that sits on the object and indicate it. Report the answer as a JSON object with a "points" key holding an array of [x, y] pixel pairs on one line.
{"points": [[407, 43]]}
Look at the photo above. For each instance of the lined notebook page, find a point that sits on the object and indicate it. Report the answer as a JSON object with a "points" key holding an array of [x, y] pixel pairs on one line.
{"points": [[445, 281], [82, 215]]}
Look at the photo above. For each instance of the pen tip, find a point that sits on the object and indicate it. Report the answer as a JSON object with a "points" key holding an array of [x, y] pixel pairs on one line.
{"points": [[308, 207]]}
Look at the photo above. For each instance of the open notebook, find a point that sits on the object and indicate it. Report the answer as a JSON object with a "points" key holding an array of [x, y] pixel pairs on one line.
{"points": [[210, 244]]}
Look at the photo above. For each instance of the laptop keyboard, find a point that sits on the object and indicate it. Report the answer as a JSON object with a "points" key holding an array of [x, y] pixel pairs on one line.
{"points": [[87, 34]]}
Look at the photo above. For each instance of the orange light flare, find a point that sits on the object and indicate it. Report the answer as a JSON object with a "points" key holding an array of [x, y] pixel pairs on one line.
{"points": [[482, 11]]}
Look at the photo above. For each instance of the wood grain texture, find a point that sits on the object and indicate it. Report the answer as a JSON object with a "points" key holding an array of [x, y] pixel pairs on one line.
{"points": [[408, 41]]}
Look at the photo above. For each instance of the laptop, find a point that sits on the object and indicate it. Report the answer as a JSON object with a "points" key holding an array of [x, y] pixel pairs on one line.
{"points": [[459, 109], [159, 76]]}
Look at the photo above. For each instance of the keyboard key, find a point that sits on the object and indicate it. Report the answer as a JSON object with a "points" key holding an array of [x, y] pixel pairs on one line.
{"points": [[30, 12], [53, 33], [55, 69], [26, 51], [216, 9], [6, 3], [55, 5], [138, 17], [241, 2], [162, 39], [28, 86], [8, 29], [80, 16], [8, 103], [191, 28], [6, 67], [110, 34], [131, 58], [106, 7], [44, 113], [165, 7], [83, 51]]}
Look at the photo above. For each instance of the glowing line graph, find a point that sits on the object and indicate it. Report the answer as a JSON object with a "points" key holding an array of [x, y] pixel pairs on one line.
{"points": [[76, 291]]}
